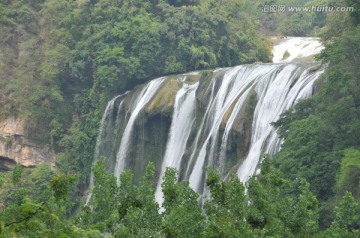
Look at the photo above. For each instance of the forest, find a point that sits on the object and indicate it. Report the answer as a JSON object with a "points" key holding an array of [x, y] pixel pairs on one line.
{"points": [[62, 60]]}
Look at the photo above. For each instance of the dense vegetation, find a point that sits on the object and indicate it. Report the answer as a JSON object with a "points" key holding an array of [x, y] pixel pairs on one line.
{"points": [[273, 207], [288, 23], [65, 59], [62, 60], [322, 134]]}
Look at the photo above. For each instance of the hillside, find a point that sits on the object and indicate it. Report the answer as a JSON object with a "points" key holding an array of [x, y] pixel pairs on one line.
{"points": [[61, 63]]}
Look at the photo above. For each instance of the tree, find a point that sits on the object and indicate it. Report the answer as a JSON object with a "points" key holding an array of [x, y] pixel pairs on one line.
{"points": [[104, 195], [308, 145], [182, 216], [355, 14], [17, 173], [28, 212], [348, 178], [138, 210], [346, 222], [279, 207], [227, 208]]}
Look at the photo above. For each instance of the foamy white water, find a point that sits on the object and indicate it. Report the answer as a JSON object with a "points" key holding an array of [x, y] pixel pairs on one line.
{"points": [[102, 133], [293, 48], [182, 121], [144, 97], [276, 95], [204, 117]]}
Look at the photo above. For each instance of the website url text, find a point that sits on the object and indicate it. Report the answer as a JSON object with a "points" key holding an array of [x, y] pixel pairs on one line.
{"points": [[284, 8]]}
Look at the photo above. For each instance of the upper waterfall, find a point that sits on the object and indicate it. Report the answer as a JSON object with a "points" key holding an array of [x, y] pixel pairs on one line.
{"points": [[292, 49], [217, 118]]}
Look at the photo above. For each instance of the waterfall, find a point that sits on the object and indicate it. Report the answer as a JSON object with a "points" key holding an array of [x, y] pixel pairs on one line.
{"points": [[236, 83], [276, 95], [219, 119], [296, 47], [144, 97], [106, 125], [182, 120]]}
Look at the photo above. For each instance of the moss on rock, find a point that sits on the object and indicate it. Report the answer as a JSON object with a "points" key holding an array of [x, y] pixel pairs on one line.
{"points": [[164, 100]]}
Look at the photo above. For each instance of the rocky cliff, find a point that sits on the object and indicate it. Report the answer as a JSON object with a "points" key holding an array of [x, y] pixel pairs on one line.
{"points": [[15, 148]]}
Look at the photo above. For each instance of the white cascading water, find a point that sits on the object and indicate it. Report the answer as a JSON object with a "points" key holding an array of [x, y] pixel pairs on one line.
{"points": [[276, 95], [236, 83], [105, 122], [182, 121], [144, 97], [205, 115], [293, 48]]}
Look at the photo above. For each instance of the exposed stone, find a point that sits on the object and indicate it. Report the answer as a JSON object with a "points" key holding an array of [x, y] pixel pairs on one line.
{"points": [[163, 101], [6, 163], [16, 148], [286, 55]]}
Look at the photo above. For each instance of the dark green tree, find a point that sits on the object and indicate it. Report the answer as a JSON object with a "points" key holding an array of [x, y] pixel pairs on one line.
{"points": [[226, 209], [182, 216]]}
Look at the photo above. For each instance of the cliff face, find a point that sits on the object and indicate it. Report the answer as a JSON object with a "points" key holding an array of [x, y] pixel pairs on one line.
{"points": [[15, 148], [219, 119]]}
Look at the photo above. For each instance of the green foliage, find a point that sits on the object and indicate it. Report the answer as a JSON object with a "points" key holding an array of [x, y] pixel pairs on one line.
{"points": [[308, 146], [291, 23], [65, 59], [137, 207], [30, 208], [279, 207], [17, 173], [272, 207], [61, 185], [1, 180], [179, 3], [355, 15], [322, 134], [105, 192], [336, 23], [126, 210], [349, 174], [296, 24], [348, 213], [38, 184], [182, 216], [346, 223], [227, 208], [78, 146]]}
